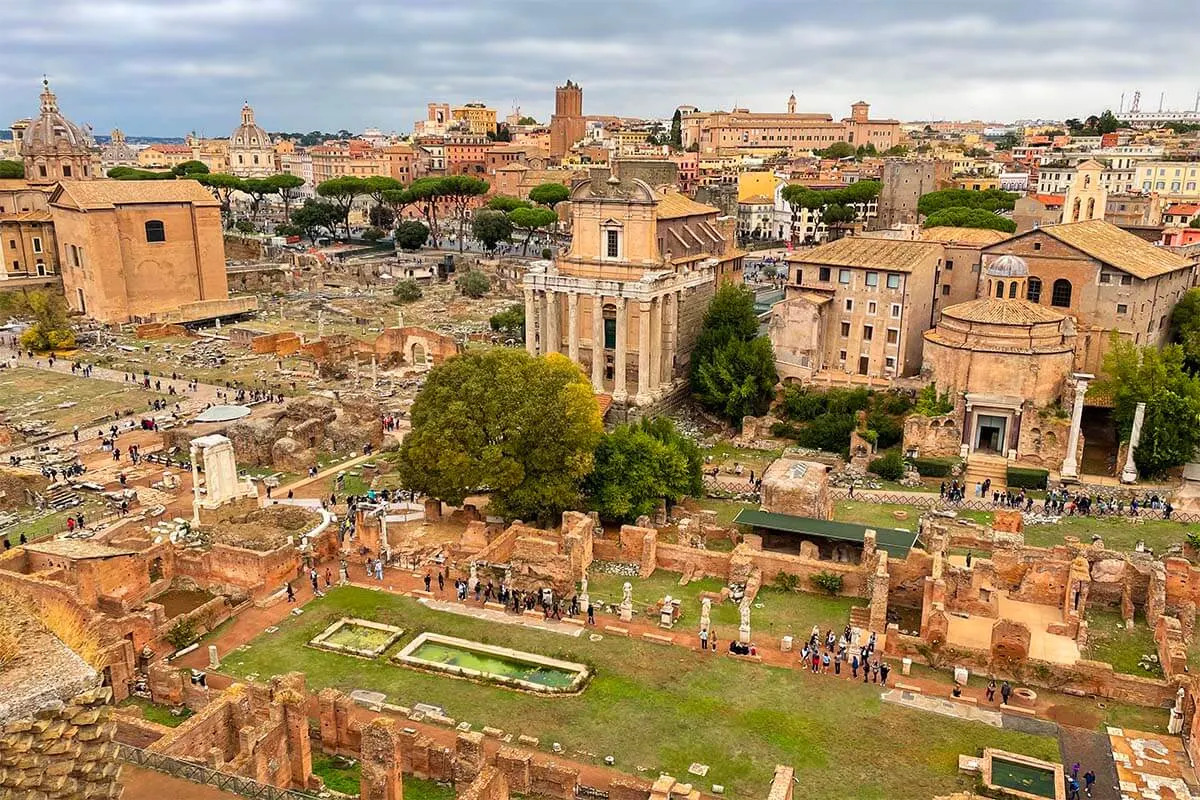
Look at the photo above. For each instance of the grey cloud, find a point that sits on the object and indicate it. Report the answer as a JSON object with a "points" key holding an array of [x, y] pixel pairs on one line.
{"points": [[164, 67]]}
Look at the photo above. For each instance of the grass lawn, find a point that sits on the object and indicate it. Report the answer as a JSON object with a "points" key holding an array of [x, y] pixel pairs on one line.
{"points": [[1110, 642], [50, 524], [340, 774], [153, 712], [782, 613], [34, 394], [660, 708], [726, 509], [1119, 533]]}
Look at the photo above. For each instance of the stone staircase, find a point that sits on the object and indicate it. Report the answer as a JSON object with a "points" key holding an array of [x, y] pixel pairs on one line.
{"points": [[982, 467], [860, 617], [60, 496]]}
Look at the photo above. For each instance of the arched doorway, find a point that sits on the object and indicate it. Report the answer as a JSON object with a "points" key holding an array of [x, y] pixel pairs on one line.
{"points": [[418, 354]]}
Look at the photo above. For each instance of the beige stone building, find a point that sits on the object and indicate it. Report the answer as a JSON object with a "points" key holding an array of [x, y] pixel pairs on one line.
{"points": [[795, 132], [626, 302], [1106, 278], [117, 153], [855, 310], [962, 261], [142, 251], [53, 148], [251, 154], [1087, 197]]}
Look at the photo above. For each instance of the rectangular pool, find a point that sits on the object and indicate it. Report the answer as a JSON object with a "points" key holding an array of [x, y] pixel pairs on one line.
{"points": [[1017, 775], [467, 659]]}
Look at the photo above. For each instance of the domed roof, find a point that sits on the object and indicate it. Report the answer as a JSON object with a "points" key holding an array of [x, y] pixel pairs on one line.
{"points": [[1008, 266], [53, 133], [249, 133], [1003, 312]]}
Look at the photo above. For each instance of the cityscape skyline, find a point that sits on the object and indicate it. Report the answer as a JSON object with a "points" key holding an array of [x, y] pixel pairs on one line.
{"points": [[107, 59]]}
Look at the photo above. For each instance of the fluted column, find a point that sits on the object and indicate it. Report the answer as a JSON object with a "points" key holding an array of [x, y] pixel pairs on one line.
{"points": [[553, 341], [573, 326], [643, 392], [598, 343], [530, 323], [620, 391]]}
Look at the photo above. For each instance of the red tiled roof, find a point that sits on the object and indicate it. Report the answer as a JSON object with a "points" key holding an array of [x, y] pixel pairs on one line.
{"points": [[1178, 209], [1050, 199]]}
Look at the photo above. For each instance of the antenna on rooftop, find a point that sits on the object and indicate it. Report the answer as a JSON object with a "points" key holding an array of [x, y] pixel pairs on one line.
{"points": [[1161, 97], [1121, 108]]}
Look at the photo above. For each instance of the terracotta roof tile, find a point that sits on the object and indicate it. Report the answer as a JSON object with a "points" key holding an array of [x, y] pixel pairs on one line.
{"points": [[867, 253], [109, 193], [674, 205], [969, 236], [1002, 312], [1117, 248]]}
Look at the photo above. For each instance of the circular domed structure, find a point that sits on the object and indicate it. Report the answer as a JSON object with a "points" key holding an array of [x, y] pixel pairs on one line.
{"points": [[250, 152], [54, 148], [1008, 266]]}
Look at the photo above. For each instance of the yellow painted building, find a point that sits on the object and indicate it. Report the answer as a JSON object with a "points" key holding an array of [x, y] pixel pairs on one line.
{"points": [[480, 119], [1172, 180], [757, 184]]}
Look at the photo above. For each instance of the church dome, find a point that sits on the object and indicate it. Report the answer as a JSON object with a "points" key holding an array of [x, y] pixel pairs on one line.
{"points": [[249, 134], [53, 134], [1008, 266]]}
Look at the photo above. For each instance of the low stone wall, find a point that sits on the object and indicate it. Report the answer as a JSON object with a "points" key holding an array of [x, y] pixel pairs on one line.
{"points": [[135, 731]]}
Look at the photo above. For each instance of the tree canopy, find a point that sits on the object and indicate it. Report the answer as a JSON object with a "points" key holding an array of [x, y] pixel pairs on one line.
{"points": [[510, 321], [50, 329], [341, 194], [186, 168], [1171, 429], [507, 203], [732, 367], [11, 169], [473, 283], [530, 220], [411, 235], [549, 194], [491, 228], [316, 217], [988, 200], [639, 464], [460, 190], [503, 421], [958, 217], [675, 138], [1185, 328]]}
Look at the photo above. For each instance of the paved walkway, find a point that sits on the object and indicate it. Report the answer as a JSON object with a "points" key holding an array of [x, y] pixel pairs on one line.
{"points": [[1090, 750]]}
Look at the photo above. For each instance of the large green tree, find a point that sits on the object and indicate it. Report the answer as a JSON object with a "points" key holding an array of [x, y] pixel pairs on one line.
{"points": [[639, 464], [188, 169], [411, 234], [1156, 377], [426, 193], [341, 193], [316, 217], [958, 217], [549, 194], [1185, 328], [500, 420], [461, 190], [676, 136], [285, 185], [11, 169], [732, 367], [490, 228], [506, 203], [510, 321], [50, 329], [988, 200], [529, 220]]}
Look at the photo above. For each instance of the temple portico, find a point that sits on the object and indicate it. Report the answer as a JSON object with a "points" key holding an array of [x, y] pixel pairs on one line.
{"points": [[591, 321]]}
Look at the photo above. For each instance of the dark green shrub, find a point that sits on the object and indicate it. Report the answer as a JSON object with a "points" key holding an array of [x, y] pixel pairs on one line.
{"points": [[893, 403], [828, 582], [889, 466], [801, 405], [846, 401], [182, 633], [888, 428], [784, 430], [934, 467], [830, 432], [786, 582], [1027, 478]]}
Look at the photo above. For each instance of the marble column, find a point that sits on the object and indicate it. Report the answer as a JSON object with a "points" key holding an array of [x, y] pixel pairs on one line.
{"points": [[1070, 465], [553, 337], [656, 345], [644, 354], [670, 324], [1129, 473], [530, 323], [573, 326], [620, 392], [598, 343], [194, 455]]}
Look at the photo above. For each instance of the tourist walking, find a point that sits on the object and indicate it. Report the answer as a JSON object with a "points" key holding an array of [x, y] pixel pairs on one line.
{"points": [[291, 593], [591, 614], [441, 583], [1005, 693], [428, 581], [991, 691], [884, 669], [1089, 778], [703, 638]]}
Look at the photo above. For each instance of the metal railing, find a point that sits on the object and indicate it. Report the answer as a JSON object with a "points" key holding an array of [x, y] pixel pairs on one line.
{"points": [[198, 773]]}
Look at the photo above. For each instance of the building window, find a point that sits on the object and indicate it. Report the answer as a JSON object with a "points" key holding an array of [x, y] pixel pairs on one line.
{"points": [[872, 279], [799, 276], [893, 280], [612, 246], [823, 275], [893, 335], [844, 277], [1105, 277], [37, 244], [610, 327], [42, 170], [945, 289], [895, 310], [1000, 289], [871, 308], [849, 304], [1033, 290], [12, 244], [1126, 280], [66, 170], [155, 232], [949, 264], [1012, 289], [845, 329], [1122, 308], [890, 362], [1060, 293], [868, 332], [1037, 245], [1161, 322], [842, 356]]}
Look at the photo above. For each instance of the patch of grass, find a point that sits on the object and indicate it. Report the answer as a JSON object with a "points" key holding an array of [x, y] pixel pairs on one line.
{"points": [[29, 394], [418, 789], [340, 774], [741, 719], [1119, 533], [726, 509], [1110, 642], [55, 523], [153, 712], [876, 514]]}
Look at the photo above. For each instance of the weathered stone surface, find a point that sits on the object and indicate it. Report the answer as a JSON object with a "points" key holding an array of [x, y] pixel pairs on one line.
{"points": [[1010, 643], [791, 486], [1109, 570]]}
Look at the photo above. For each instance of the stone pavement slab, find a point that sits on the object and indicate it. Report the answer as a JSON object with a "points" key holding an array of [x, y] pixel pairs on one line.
{"points": [[501, 617]]}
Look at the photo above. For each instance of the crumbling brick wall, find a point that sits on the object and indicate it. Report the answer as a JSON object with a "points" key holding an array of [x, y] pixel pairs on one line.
{"points": [[66, 752]]}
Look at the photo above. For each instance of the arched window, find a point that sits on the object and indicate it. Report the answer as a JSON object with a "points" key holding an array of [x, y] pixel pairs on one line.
{"points": [[155, 232], [1012, 289], [1075, 210], [1091, 208], [1000, 289], [1060, 293], [1033, 290]]}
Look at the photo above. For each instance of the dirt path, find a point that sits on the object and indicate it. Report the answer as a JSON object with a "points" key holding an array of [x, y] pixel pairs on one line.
{"points": [[145, 784]]}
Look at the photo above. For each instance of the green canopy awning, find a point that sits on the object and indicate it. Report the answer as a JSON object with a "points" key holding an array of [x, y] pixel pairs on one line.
{"points": [[896, 541]]}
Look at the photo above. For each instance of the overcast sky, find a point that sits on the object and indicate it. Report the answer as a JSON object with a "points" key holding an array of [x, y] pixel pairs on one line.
{"points": [[164, 67]]}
